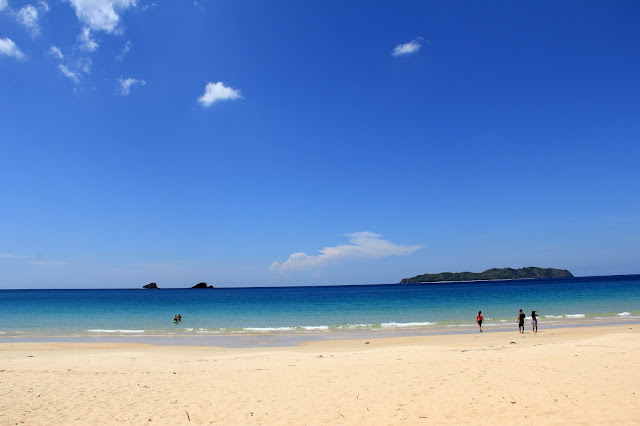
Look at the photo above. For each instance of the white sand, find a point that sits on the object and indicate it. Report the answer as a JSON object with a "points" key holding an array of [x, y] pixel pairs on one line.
{"points": [[577, 375]]}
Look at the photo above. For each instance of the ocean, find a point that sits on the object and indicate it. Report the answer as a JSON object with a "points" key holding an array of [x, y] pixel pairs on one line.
{"points": [[312, 312]]}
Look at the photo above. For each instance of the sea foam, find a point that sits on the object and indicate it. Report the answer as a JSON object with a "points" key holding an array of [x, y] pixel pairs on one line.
{"points": [[315, 327], [405, 324]]}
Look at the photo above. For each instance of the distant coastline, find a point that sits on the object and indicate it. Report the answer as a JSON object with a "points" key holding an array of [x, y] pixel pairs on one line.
{"points": [[493, 274]]}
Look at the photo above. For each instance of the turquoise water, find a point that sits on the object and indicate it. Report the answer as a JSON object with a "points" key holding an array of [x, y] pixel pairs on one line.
{"points": [[316, 310]]}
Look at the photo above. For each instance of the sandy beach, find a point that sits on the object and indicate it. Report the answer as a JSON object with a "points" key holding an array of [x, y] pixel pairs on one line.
{"points": [[586, 375]]}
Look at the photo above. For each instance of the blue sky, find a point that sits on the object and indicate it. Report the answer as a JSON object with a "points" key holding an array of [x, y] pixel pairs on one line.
{"points": [[250, 143]]}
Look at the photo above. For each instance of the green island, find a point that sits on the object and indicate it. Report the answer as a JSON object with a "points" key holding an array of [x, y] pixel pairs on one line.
{"points": [[491, 274]]}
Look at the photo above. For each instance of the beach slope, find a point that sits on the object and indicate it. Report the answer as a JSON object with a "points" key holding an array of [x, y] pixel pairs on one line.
{"points": [[586, 375]]}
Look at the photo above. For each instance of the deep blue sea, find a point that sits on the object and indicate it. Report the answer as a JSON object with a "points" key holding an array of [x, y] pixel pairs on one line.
{"points": [[324, 310]]}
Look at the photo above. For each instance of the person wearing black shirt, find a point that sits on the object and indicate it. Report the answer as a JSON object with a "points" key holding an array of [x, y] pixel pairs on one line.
{"points": [[521, 321]]}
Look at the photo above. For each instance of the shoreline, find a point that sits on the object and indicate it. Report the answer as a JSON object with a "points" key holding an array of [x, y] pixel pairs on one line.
{"points": [[585, 375], [289, 338]]}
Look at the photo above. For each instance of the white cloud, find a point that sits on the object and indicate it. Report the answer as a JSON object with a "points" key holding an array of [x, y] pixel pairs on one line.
{"points": [[28, 16], [54, 51], [362, 244], [95, 16], [125, 50], [83, 64], [125, 85], [73, 75], [74, 67], [3, 5], [85, 40], [101, 15], [407, 48], [9, 48], [215, 92]]}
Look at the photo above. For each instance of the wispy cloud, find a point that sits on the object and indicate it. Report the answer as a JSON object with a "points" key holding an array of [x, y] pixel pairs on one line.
{"points": [[75, 67], [9, 48], [34, 260], [215, 92], [86, 41], [3, 5], [125, 50], [125, 85], [49, 263], [362, 244], [73, 75], [146, 7], [54, 51], [13, 256], [408, 48]]}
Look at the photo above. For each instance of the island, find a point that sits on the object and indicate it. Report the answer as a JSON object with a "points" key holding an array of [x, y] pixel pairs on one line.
{"points": [[491, 274], [150, 286], [202, 285]]}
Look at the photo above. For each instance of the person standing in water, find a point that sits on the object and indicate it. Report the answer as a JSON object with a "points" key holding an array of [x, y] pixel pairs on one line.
{"points": [[479, 318], [521, 317], [534, 321]]}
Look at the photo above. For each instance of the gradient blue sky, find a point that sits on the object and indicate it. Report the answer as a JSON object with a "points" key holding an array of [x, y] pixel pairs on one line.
{"points": [[250, 143]]}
